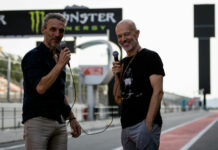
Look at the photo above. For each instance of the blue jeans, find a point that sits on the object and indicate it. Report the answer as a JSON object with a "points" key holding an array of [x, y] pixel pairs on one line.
{"points": [[137, 137], [45, 134]]}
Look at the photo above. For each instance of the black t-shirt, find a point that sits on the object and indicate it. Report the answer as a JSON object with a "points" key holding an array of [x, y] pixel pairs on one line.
{"points": [[36, 64], [136, 86]]}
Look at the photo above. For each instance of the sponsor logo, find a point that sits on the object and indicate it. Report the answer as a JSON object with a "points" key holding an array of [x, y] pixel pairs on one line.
{"points": [[84, 18], [93, 22], [36, 18], [2, 20], [77, 22], [86, 28]]}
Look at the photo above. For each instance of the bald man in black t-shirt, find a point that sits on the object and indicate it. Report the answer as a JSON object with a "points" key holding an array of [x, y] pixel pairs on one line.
{"points": [[138, 88]]}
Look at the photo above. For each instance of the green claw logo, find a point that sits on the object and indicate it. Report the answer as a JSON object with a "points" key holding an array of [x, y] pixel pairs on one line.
{"points": [[36, 18]]}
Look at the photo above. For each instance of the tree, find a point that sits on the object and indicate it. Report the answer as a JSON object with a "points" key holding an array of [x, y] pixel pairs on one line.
{"points": [[16, 73]]}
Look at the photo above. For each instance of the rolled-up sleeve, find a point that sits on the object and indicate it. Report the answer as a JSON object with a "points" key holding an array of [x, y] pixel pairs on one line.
{"points": [[32, 70]]}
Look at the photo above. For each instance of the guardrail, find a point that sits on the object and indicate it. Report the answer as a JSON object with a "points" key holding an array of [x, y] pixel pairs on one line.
{"points": [[11, 117], [171, 108]]}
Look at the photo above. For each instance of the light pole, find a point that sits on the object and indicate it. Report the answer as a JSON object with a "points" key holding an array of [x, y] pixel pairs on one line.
{"points": [[8, 78]]}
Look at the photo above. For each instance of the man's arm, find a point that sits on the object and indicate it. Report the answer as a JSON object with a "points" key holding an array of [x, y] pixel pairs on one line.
{"points": [[76, 129], [71, 115], [157, 85], [47, 81], [116, 89]]}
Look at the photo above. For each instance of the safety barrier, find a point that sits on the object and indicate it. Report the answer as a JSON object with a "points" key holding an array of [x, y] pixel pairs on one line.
{"points": [[11, 117]]}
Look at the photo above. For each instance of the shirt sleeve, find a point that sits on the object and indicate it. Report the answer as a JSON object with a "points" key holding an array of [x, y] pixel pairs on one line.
{"points": [[32, 70], [156, 65]]}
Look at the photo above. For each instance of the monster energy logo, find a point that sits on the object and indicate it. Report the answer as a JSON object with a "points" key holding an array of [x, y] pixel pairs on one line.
{"points": [[2, 20], [36, 18]]}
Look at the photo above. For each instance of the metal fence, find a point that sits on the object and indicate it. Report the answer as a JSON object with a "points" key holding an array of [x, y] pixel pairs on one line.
{"points": [[11, 117]]}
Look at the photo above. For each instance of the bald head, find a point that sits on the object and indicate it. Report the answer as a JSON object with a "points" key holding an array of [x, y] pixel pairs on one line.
{"points": [[131, 25], [127, 36]]}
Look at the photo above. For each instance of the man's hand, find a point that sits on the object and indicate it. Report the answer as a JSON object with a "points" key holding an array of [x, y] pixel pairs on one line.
{"points": [[76, 129], [64, 57], [116, 69], [148, 125]]}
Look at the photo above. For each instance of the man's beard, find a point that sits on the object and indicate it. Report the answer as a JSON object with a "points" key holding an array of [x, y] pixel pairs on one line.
{"points": [[53, 43], [132, 46]]}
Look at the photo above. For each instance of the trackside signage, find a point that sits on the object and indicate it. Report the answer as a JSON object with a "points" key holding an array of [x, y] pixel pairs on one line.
{"points": [[80, 21], [92, 70]]}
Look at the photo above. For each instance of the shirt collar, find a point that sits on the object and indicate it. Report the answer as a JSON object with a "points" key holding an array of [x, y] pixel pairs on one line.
{"points": [[43, 48]]}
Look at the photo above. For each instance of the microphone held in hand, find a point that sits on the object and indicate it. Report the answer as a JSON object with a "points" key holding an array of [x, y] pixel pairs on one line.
{"points": [[63, 45], [115, 54]]}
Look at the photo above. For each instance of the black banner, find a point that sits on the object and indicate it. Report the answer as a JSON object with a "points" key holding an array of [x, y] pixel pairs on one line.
{"points": [[80, 21], [204, 20]]}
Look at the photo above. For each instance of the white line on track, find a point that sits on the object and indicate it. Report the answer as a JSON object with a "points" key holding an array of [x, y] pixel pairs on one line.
{"points": [[180, 125], [118, 148], [193, 140], [12, 147], [183, 124]]}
